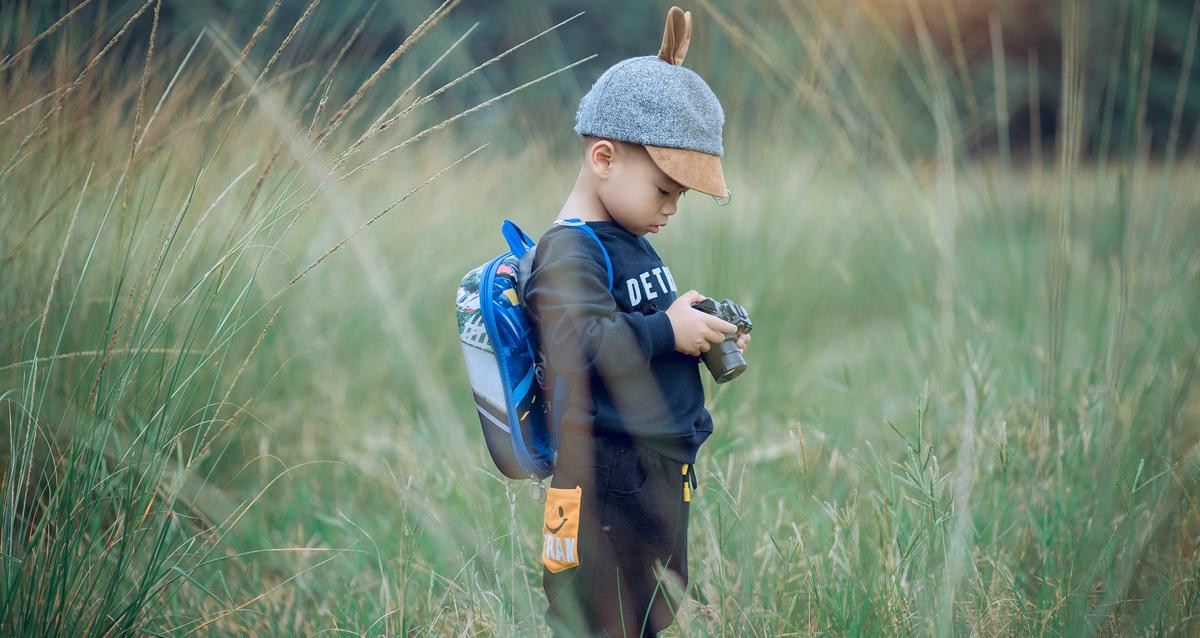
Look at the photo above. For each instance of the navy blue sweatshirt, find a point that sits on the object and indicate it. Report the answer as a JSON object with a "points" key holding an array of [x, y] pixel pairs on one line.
{"points": [[615, 347]]}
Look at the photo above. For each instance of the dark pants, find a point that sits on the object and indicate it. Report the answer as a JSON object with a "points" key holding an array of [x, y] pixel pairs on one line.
{"points": [[632, 545]]}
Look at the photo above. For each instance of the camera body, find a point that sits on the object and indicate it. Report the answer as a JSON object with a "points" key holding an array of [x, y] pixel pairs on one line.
{"points": [[724, 360]]}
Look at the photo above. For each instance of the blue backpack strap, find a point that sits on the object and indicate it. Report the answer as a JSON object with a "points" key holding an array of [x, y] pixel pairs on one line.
{"points": [[517, 240], [575, 222]]}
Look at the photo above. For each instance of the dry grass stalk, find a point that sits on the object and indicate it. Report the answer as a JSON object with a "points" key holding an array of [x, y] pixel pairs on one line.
{"points": [[353, 100], [10, 60], [40, 128], [258, 31], [450, 120]]}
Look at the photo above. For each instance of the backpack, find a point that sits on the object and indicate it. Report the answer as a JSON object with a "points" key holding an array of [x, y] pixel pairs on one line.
{"points": [[505, 367]]}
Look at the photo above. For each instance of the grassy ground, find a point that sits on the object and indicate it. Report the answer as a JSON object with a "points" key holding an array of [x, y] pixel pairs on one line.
{"points": [[971, 407]]}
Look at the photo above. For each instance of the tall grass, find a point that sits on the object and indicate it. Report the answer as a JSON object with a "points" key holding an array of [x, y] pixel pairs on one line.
{"points": [[971, 407], [156, 225]]}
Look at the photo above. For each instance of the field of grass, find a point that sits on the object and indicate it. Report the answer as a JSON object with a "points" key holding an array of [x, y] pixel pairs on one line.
{"points": [[972, 404]]}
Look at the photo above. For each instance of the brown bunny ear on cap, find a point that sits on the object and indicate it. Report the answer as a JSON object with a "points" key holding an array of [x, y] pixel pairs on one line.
{"points": [[695, 169], [676, 35]]}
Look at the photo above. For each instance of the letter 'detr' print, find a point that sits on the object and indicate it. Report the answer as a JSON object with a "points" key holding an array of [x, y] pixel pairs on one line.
{"points": [[649, 285]]}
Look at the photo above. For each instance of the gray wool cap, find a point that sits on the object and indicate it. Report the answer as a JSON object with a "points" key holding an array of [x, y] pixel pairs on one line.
{"points": [[649, 101]]}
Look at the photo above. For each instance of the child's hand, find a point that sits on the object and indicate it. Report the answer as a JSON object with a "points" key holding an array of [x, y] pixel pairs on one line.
{"points": [[696, 331], [742, 341]]}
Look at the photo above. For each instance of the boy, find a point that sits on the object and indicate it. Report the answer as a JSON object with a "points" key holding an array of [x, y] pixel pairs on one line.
{"points": [[615, 556]]}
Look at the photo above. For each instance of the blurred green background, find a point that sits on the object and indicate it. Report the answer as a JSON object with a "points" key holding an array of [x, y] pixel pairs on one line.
{"points": [[235, 402], [732, 44]]}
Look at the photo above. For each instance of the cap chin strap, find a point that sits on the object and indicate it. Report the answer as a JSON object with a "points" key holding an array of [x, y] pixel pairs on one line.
{"points": [[723, 201]]}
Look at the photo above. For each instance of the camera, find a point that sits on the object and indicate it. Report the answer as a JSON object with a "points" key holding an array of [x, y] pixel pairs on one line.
{"points": [[724, 360]]}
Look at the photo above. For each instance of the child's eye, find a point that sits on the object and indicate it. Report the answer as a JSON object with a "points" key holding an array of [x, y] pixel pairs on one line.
{"points": [[663, 192]]}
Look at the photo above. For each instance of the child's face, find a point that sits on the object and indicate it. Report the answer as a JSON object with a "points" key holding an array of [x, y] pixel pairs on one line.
{"points": [[634, 190]]}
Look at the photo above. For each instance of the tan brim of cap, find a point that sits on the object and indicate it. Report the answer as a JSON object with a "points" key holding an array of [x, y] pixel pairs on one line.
{"points": [[693, 169]]}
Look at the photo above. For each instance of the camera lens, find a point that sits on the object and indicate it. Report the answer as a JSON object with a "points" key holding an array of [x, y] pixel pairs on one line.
{"points": [[725, 361]]}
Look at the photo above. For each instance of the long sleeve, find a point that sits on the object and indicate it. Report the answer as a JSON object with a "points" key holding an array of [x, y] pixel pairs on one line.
{"points": [[614, 350], [567, 294]]}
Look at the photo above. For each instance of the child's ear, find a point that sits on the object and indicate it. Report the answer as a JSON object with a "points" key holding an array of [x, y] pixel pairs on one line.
{"points": [[676, 35], [600, 158]]}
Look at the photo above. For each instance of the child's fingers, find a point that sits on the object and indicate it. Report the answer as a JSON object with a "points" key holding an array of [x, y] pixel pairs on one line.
{"points": [[742, 341], [720, 325]]}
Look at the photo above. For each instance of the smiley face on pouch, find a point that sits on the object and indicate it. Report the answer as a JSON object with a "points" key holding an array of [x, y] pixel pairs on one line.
{"points": [[563, 515]]}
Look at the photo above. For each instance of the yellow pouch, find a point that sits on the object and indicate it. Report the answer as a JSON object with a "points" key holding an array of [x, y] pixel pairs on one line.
{"points": [[560, 532]]}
